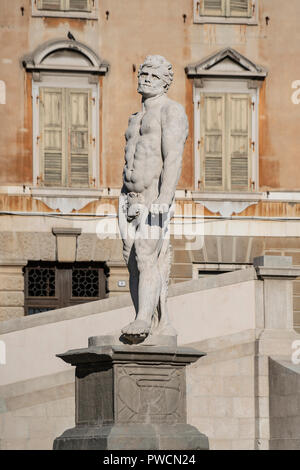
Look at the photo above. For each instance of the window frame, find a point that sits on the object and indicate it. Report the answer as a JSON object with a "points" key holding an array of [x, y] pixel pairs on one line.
{"points": [[63, 285], [66, 81], [223, 86], [206, 19], [66, 13]]}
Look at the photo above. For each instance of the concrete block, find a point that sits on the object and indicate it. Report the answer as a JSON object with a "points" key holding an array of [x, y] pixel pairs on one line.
{"points": [[47, 247], [8, 313], [247, 428], [242, 386], [86, 247], [244, 407], [226, 428], [229, 368], [13, 427], [273, 261], [246, 366], [263, 386], [197, 407], [13, 444], [262, 364], [11, 299], [66, 249], [210, 386], [60, 408], [264, 428], [263, 407], [220, 407], [38, 410], [220, 444], [11, 282], [205, 426], [243, 444], [39, 444]]}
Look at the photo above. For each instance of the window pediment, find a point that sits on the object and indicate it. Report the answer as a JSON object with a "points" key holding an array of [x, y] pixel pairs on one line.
{"points": [[228, 63], [65, 55]]}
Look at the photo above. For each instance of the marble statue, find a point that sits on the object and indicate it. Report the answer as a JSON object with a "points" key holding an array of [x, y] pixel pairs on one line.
{"points": [[155, 140]]}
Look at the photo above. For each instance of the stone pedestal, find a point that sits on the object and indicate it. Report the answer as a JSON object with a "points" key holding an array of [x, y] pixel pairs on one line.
{"points": [[131, 397]]}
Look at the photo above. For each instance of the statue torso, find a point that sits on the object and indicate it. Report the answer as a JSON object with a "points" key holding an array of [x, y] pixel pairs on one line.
{"points": [[143, 157]]}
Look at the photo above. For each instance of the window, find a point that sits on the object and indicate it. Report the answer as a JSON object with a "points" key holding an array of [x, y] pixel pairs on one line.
{"points": [[226, 90], [212, 269], [67, 5], [225, 142], [86, 9], [66, 106], [65, 130], [225, 11], [49, 286]]}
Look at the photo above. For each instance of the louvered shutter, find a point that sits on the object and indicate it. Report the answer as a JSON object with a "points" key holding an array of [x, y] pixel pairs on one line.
{"points": [[213, 7], [240, 8], [239, 140], [79, 119], [213, 127], [50, 4], [79, 5], [52, 135]]}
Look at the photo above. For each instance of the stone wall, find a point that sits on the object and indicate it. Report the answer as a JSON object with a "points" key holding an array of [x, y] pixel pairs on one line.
{"points": [[230, 395], [284, 405], [11, 289], [34, 412]]}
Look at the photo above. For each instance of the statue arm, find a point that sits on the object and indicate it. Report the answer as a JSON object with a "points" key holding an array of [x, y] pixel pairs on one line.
{"points": [[174, 135]]}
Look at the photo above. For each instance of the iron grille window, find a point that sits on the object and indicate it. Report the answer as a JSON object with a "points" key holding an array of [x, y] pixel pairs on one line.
{"points": [[41, 282], [49, 286]]}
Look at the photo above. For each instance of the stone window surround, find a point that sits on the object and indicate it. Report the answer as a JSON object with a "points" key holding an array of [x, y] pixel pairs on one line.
{"points": [[198, 18], [245, 77], [65, 76], [92, 15], [57, 80], [225, 86]]}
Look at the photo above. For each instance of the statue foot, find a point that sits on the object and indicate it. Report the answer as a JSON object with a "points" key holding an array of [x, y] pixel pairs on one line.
{"points": [[137, 328]]}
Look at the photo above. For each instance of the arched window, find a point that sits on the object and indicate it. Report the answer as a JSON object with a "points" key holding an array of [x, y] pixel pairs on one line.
{"points": [[66, 93]]}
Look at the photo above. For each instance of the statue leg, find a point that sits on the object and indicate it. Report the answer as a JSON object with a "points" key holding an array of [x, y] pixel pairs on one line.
{"points": [[149, 285], [164, 326], [127, 231]]}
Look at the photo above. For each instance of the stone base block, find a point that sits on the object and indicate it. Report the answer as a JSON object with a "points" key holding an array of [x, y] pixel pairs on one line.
{"points": [[131, 397], [132, 437]]}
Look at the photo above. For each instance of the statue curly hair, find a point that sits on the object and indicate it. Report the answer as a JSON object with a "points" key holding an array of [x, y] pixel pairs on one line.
{"points": [[159, 62]]}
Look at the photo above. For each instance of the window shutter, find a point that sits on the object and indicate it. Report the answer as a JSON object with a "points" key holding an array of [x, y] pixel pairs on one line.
{"points": [[79, 122], [239, 140], [52, 135], [213, 7], [79, 5], [49, 4], [240, 8], [213, 126]]}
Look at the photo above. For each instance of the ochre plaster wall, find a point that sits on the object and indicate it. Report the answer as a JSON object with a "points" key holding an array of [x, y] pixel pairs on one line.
{"points": [[133, 30]]}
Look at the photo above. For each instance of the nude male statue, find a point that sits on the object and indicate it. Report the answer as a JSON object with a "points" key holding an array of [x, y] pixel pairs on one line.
{"points": [[155, 140]]}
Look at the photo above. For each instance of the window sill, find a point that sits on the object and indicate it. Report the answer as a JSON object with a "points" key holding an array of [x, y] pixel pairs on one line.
{"points": [[227, 196], [66, 192], [223, 20], [66, 14]]}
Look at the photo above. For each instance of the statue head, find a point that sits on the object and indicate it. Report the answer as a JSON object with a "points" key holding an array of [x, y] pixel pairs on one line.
{"points": [[155, 76]]}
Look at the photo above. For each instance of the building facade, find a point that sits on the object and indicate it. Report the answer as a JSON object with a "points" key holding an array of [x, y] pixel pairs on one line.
{"points": [[68, 82]]}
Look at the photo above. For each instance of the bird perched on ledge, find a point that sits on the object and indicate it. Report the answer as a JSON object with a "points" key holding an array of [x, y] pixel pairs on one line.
{"points": [[70, 36]]}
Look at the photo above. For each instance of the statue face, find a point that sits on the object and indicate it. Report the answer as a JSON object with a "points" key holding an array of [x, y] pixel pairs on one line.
{"points": [[150, 82]]}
